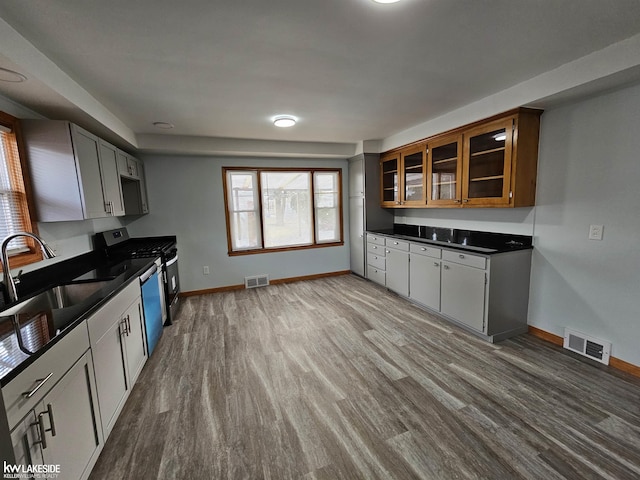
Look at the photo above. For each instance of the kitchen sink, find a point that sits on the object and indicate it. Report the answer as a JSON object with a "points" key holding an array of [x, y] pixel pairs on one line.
{"points": [[58, 297]]}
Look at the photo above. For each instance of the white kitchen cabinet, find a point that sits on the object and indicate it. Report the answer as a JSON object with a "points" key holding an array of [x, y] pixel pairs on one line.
{"points": [[69, 178], [135, 344], [111, 187], [486, 294], [397, 263], [116, 334], [424, 276], [128, 165], [364, 209], [69, 430], [25, 439], [376, 259], [133, 184], [463, 292], [62, 427]]}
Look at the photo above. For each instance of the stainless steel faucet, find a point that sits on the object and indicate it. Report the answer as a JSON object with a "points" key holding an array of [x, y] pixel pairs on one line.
{"points": [[9, 283]]}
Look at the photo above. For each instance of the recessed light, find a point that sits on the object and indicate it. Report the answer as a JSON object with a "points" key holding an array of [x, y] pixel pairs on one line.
{"points": [[386, 1], [284, 121], [7, 75], [163, 125]]}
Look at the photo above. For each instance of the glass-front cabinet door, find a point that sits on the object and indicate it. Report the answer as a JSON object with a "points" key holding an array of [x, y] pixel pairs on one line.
{"points": [[390, 180], [487, 164], [413, 161], [445, 171]]}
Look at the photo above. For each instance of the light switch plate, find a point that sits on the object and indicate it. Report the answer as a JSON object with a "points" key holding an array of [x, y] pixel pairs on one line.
{"points": [[595, 232]]}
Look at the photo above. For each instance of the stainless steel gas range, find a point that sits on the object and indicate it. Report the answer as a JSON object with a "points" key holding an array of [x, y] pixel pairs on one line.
{"points": [[117, 244]]}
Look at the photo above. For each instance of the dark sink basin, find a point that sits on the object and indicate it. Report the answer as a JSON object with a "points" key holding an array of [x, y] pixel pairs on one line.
{"points": [[58, 297]]}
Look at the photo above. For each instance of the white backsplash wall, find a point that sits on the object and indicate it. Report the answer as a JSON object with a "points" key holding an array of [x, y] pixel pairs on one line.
{"points": [[518, 221], [186, 199], [69, 239]]}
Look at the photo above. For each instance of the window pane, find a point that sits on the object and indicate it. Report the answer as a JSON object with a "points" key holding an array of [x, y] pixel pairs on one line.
{"points": [[11, 197], [326, 204], [245, 230], [244, 218], [286, 211]]}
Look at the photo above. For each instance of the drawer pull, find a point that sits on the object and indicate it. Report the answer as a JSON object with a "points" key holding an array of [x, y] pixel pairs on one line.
{"points": [[41, 381], [446, 267], [461, 256], [387, 251], [423, 249], [436, 264], [395, 243], [374, 247]]}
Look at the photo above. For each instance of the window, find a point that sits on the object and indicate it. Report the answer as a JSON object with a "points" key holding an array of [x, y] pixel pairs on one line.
{"points": [[282, 209], [15, 215]]}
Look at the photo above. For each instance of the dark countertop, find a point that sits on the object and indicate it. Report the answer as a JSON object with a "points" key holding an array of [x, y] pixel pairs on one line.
{"points": [[42, 329], [486, 243]]}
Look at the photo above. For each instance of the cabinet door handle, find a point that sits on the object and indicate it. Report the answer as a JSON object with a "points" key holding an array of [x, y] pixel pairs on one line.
{"points": [[52, 424], [128, 325], [466, 200], [423, 249], [446, 267], [457, 200], [40, 424], [395, 243], [123, 327], [387, 251], [374, 247], [41, 381], [436, 264]]}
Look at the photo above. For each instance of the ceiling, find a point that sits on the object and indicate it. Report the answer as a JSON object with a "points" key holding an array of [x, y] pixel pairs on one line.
{"points": [[350, 70]]}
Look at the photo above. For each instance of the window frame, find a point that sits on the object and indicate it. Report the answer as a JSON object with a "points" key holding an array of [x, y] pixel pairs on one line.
{"points": [[34, 254], [262, 249]]}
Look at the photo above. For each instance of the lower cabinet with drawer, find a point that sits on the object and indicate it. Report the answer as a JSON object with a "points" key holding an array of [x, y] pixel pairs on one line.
{"points": [[376, 259], [54, 421], [117, 340], [486, 294]]}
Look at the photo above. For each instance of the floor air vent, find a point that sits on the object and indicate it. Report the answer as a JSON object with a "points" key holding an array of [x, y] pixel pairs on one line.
{"points": [[590, 347], [256, 281]]}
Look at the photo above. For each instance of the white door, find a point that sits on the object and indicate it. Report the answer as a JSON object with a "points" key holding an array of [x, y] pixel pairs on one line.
{"points": [[110, 367], [135, 341], [25, 439], [463, 294], [86, 150], [72, 435], [397, 277], [111, 179], [424, 280]]}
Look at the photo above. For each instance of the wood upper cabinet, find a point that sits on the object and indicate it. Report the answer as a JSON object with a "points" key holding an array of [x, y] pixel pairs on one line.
{"points": [[487, 164], [444, 173], [491, 163], [403, 177]]}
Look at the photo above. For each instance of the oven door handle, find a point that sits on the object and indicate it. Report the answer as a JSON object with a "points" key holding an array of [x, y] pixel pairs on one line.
{"points": [[172, 261], [146, 275]]}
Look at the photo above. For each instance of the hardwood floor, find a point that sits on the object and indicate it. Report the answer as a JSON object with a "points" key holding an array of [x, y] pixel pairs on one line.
{"points": [[338, 379]]}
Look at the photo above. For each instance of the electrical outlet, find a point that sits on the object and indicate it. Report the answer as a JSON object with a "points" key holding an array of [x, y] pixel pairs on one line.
{"points": [[205, 269], [595, 232]]}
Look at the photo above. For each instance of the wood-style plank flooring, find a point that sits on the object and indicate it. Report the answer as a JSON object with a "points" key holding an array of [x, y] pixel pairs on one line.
{"points": [[339, 379]]}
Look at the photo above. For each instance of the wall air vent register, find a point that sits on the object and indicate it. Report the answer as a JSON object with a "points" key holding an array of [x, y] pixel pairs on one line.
{"points": [[590, 347]]}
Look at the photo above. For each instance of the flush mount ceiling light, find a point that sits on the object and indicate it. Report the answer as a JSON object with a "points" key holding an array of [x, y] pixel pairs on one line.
{"points": [[386, 1], [7, 75], [163, 125], [284, 121], [500, 137]]}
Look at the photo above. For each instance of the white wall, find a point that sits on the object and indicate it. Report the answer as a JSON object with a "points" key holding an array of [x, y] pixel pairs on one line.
{"points": [[186, 199], [589, 173]]}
